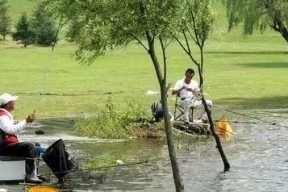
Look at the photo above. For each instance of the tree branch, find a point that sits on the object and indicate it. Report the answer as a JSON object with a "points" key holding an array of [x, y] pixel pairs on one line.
{"points": [[194, 24], [186, 40], [167, 44], [181, 44], [151, 49], [164, 59], [195, 30], [187, 51], [129, 33], [189, 32], [138, 40]]}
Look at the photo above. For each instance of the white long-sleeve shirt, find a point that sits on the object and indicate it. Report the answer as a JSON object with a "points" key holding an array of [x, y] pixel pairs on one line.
{"points": [[8, 125]]}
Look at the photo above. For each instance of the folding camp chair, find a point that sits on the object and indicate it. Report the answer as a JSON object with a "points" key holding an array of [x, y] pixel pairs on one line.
{"points": [[179, 111]]}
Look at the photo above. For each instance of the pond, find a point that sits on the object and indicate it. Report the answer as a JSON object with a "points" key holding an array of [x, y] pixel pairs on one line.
{"points": [[257, 154]]}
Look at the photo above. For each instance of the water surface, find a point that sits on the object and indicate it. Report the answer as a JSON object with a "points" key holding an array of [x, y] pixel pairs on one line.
{"points": [[257, 154]]}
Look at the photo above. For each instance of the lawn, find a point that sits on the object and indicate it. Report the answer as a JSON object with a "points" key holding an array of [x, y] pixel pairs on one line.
{"points": [[240, 73]]}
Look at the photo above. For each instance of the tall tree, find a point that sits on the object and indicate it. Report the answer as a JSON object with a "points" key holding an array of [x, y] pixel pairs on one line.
{"points": [[106, 25], [43, 26], [73, 31], [259, 15], [194, 30], [5, 21], [23, 34]]}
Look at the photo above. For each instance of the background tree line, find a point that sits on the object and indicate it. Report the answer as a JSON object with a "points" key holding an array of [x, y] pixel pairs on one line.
{"points": [[258, 15], [38, 29]]}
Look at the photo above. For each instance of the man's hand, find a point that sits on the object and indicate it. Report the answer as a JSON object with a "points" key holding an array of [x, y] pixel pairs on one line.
{"points": [[194, 91], [31, 117], [177, 91], [182, 88]]}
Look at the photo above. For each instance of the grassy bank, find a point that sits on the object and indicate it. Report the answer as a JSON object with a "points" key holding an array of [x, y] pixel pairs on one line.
{"points": [[112, 122]]}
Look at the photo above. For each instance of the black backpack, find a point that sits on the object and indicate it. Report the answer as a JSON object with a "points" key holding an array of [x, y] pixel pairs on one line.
{"points": [[157, 111], [58, 159]]}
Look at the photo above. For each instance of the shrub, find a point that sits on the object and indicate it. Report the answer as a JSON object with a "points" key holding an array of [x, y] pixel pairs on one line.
{"points": [[111, 122]]}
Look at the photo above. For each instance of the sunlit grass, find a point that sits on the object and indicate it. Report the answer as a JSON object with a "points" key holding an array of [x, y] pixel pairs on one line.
{"points": [[240, 72]]}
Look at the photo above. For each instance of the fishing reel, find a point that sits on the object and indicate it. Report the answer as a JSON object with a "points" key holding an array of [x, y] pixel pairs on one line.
{"points": [[198, 94]]}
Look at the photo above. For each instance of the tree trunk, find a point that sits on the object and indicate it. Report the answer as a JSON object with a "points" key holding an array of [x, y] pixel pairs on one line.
{"points": [[200, 76], [208, 111], [168, 128], [179, 186], [284, 33], [169, 136], [280, 26], [218, 142]]}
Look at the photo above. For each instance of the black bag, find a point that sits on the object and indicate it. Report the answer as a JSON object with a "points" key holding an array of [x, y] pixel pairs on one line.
{"points": [[58, 160], [157, 111]]}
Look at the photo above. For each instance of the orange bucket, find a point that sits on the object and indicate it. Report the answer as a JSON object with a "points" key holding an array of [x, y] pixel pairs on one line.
{"points": [[43, 189], [222, 128]]}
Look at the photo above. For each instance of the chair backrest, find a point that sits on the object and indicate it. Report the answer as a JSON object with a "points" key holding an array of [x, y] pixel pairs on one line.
{"points": [[177, 96]]}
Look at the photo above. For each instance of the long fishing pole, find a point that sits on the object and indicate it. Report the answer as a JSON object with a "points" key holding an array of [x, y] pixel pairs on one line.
{"points": [[103, 167], [41, 92], [251, 117], [57, 32], [244, 115]]}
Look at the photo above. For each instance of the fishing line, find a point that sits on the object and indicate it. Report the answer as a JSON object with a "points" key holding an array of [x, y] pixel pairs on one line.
{"points": [[244, 115], [48, 67], [251, 117], [102, 167]]}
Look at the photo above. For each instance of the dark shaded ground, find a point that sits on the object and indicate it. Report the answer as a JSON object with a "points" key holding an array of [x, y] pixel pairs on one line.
{"points": [[265, 65], [248, 52], [250, 103]]}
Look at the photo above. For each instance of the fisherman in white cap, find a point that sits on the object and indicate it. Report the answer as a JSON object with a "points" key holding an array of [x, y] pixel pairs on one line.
{"points": [[9, 144]]}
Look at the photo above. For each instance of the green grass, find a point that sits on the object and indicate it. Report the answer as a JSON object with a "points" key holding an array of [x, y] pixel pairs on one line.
{"points": [[112, 122], [240, 72]]}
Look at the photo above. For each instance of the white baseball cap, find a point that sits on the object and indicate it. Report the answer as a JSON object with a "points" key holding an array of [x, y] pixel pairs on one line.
{"points": [[6, 98]]}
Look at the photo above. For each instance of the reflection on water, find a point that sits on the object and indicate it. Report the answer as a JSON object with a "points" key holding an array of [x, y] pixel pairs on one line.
{"points": [[257, 155]]}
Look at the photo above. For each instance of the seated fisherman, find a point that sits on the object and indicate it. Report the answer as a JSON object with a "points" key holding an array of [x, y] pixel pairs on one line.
{"points": [[188, 89], [9, 144]]}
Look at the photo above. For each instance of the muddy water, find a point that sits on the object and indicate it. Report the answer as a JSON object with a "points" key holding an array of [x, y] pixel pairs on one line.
{"points": [[257, 154]]}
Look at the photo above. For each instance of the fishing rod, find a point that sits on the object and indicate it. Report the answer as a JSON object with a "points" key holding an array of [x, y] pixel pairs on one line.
{"points": [[230, 121], [57, 32], [244, 115], [103, 167], [242, 122], [44, 78], [251, 117]]}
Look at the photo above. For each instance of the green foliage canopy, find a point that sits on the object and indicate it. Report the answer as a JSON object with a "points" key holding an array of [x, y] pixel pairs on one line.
{"points": [[259, 15], [42, 26], [5, 21], [24, 34], [101, 25], [196, 26]]}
